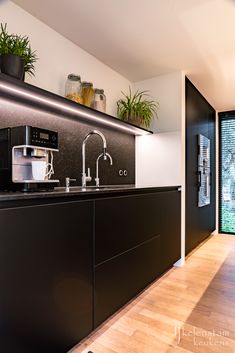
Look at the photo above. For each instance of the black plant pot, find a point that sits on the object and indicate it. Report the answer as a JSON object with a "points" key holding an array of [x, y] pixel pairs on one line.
{"points": [[12, 65]]}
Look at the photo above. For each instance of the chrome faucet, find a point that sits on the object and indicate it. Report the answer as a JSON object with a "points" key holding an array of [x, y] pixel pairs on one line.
{"points": [[97, 180], [87, 178]]}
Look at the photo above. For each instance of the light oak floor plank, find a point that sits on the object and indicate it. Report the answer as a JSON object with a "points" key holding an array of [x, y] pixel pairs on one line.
{"points": [[188, 310]]}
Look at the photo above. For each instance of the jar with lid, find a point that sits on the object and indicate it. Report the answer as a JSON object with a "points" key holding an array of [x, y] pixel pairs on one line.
{"points": [[99, 100], [87, 93], [73, 89]]}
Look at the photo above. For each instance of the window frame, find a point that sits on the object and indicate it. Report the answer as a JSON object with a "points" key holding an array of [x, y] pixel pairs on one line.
{"points": [[222, 116]]}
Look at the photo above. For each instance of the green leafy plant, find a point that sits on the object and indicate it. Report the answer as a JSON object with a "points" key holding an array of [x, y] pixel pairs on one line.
{"points": [[18, 45], [137, 108]]}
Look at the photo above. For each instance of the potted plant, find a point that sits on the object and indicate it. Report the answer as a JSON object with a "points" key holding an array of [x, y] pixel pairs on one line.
{"points": [[137, 109], [16, 55]]}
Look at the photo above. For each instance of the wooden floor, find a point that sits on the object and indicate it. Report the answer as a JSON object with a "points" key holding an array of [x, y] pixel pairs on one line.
{"points": [[189, 309]]}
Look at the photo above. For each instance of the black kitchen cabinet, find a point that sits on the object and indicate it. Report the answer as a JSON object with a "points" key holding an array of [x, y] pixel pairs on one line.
{"points": [[120, 279], [67, 265], [124, 222], [136, 239], [46, 277]]}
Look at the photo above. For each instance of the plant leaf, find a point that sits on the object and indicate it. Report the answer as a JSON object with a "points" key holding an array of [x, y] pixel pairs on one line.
{"points": [[137, 106], [20, 46]]}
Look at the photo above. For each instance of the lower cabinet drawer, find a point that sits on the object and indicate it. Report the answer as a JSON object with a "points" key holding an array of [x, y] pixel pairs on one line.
{"points": [[121, 278]]}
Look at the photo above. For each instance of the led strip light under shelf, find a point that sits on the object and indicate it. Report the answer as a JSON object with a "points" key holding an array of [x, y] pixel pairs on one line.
{"points": [[26, 93]]}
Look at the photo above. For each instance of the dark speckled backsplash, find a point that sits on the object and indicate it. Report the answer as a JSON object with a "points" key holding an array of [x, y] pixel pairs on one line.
{"points": [[68, 161]]}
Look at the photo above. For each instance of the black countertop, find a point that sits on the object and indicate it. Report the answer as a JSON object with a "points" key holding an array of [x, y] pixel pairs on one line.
{"points": [[90, 192]]}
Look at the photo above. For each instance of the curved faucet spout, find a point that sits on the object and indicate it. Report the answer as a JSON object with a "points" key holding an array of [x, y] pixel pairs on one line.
{"points": [[97, 180], [96, 132], [86, 178]]}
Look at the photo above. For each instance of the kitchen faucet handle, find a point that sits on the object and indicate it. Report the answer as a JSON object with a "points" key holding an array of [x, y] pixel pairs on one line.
{"points": [[88, 178]]}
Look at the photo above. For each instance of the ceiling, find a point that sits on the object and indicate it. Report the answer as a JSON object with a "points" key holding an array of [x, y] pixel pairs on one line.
{"points": [[142, 39]]}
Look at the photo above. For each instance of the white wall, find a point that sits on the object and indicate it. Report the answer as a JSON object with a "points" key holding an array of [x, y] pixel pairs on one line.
{"points": [[152, 166], [158, 159], [58, 57], [167, 90]]}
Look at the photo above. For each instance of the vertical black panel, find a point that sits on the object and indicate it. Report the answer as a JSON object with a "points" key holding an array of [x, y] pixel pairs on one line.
{"points": [[170, 217], [200, 119], [46, 277]]}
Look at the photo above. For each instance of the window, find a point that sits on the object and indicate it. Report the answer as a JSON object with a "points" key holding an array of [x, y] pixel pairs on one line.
{"points": [[227, 173]]}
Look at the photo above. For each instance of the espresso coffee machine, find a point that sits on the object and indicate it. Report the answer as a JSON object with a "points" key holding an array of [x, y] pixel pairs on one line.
{"points": [[20, 148]]}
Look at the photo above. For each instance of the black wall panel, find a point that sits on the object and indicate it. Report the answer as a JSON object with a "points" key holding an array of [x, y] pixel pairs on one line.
{"points": [[200, 119]]}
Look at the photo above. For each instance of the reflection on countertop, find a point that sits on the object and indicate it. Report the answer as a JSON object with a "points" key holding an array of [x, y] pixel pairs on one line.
{"points": [[90, 191]]}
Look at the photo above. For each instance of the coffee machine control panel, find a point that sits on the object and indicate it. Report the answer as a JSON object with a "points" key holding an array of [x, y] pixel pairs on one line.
{"points": [[33, 136], [43, 138]]}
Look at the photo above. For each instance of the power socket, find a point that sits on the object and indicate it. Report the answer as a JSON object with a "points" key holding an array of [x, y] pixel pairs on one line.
{"points": [[122, 172]]}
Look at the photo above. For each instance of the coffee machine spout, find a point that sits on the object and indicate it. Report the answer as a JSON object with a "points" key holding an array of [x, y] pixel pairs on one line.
{"points": [[37, 152]]}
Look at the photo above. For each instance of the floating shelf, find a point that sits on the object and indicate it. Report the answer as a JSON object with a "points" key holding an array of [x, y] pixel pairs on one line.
{"points": [[27, 94]]}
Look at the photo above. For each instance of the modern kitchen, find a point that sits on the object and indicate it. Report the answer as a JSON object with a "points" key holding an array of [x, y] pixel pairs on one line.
{"points": [[117, 176]]}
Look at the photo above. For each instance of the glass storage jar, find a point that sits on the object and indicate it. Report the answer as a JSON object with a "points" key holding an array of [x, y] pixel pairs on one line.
{"points": [[73, 89], [87, 93], [99, 100]]}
